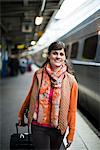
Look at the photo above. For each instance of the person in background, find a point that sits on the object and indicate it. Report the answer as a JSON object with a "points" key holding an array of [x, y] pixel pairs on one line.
{"points": [[22, 65], [52, 101], [13, 65], [29, 63]]}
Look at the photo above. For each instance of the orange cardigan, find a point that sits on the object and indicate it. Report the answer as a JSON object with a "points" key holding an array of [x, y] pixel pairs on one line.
{"points": [[71, 117]]}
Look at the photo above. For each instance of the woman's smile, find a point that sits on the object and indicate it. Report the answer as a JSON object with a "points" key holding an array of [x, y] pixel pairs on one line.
{"points": [[57, 58]]}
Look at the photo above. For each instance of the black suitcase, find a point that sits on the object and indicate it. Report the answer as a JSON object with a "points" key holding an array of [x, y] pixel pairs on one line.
{"points": [[22, 141]]}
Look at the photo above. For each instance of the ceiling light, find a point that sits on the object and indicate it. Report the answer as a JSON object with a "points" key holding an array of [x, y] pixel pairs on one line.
{"points": [[33, 42], [38, 20]]}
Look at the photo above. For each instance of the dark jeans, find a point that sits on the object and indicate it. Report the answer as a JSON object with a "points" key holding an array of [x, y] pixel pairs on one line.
{"points": [[45, 138]]}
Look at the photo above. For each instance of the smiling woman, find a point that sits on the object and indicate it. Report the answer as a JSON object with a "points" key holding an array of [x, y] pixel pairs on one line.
{"points": [[57, 58], [52, 101]]}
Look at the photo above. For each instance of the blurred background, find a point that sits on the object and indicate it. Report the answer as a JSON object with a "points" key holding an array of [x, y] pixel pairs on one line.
{"points": [[27, 28]]}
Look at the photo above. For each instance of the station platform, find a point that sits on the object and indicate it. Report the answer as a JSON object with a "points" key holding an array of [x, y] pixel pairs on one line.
{"points": [[13, 92], [85, 138]]}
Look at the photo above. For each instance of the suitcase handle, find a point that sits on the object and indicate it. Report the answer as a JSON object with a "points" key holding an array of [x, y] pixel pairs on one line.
{"points": [[25, 124]]}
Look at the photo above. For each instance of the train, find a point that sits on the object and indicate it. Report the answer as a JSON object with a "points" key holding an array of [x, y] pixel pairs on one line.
{"points": [[83, 50]]}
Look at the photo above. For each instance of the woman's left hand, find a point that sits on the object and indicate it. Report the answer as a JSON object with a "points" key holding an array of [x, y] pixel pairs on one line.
{"points": [[68, 144]]}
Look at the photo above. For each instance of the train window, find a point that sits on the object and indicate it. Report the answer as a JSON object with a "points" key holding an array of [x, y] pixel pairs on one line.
{"points": [[74, 50], [90, 46], [26, 27]]}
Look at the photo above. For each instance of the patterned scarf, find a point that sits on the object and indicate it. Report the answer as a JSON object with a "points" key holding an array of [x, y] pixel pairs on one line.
{"points": [[49, 110]]}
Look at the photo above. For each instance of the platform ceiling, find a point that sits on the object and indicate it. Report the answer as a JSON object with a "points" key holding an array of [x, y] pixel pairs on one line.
{"points": [[18, 18]]}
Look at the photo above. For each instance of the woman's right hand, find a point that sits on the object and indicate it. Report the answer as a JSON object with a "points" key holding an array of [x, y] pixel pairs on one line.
{"points": [[21, 121]]}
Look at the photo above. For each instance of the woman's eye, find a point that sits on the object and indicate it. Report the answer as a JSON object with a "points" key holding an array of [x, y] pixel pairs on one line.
{"points": [[55, 53], [61, 54]]}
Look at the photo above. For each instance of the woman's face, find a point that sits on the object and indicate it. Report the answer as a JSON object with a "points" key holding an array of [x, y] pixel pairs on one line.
{"points": [[57, 58]]}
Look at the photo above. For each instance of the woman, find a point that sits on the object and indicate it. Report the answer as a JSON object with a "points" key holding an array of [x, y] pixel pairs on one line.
{"points": [[52, 101]]}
